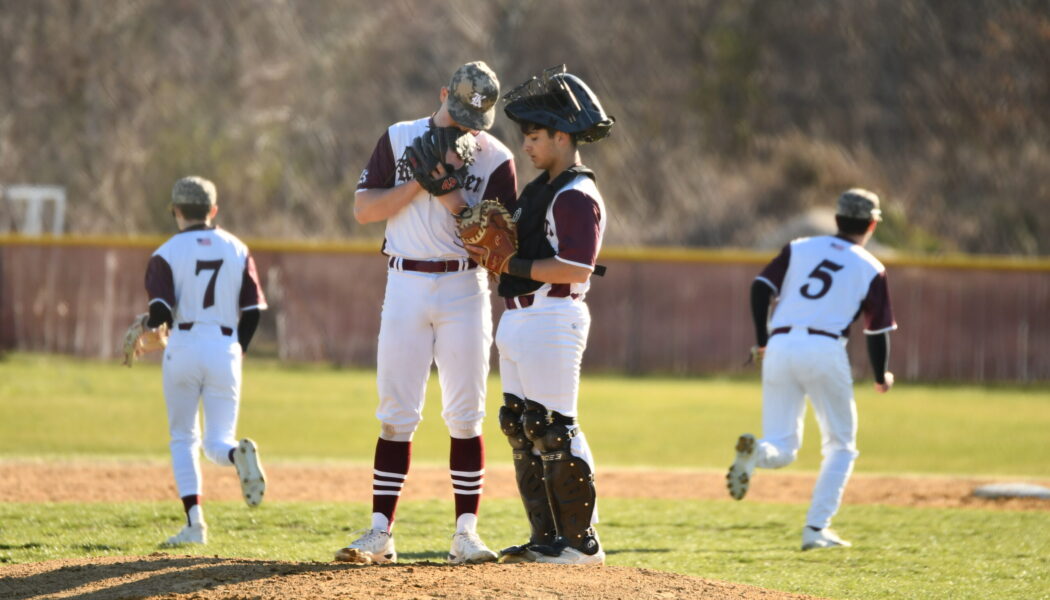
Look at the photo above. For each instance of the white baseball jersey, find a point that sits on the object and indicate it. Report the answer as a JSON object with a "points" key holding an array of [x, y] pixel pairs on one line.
{"points": [[824, 282], [575, 227], [205, 276], [424, 230]]}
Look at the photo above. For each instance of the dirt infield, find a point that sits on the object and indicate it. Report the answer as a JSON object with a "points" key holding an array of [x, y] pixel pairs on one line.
{"points": [[97, 481], [167, 577], [164, 577]]}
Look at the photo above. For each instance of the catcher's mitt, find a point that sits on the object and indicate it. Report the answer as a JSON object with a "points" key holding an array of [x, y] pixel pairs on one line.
{"points": [[431, 149], [140, 339], [489, 226]]}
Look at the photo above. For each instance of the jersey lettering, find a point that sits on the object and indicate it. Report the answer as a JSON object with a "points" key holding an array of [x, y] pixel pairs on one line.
{"points": [[823, 274], [213, 266]]}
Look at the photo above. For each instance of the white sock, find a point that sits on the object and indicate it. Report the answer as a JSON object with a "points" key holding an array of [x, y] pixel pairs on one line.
{"points": [[196, 515], [380, 522], [467, 522]]}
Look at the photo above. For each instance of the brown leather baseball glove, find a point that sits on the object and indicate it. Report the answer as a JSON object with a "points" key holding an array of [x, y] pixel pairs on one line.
{"points": [[139, 339], [489, 226]]}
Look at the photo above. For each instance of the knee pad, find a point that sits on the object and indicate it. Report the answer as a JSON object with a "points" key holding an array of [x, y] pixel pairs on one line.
{"points": [[510, 415]]}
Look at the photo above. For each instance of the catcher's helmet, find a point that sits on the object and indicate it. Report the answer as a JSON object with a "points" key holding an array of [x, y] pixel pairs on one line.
{"points": [[560, 101]]}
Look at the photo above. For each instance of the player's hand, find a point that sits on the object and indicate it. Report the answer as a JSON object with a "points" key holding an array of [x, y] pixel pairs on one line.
{"points": [[882, 388], [476, 253], [757, 354]]}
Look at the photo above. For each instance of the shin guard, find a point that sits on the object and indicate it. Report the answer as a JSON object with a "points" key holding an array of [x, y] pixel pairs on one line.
{"points": [[568, 479], [528, 470]]}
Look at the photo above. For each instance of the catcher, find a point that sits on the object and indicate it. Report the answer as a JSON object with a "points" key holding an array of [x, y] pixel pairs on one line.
{"points": [[436, 307], [203, 287], [544, 261]]}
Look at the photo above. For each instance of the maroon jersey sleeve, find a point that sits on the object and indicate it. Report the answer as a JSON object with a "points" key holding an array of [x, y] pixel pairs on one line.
{"points": [[503, 185], [577, 221], [878, 313], [251, 290], [777, 268], [160, 283], [379, 172]]}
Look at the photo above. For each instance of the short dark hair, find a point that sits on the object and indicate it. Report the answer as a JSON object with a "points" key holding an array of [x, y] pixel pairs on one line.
{"points": [[528, 127], [852, 226], [194, 212]]}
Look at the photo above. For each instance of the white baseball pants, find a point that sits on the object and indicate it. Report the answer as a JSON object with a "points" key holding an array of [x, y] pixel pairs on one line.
{"points": [[540, 352], [427, 318], [798, 364], [201, 366]]}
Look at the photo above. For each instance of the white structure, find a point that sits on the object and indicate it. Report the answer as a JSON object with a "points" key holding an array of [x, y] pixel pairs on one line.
{"points": [[30, 201]]}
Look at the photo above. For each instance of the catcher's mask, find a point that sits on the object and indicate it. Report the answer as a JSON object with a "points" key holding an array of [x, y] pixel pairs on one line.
{"points": [[560, 101]]}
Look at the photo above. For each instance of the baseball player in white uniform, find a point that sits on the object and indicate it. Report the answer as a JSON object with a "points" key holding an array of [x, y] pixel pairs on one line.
{"points": [[822, 284], [436, 310], [203, 283], [543, 333]]}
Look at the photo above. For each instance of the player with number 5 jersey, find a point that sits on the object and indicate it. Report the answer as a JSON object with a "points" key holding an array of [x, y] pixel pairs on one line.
{"points": [[822, 284], [203, 283]]}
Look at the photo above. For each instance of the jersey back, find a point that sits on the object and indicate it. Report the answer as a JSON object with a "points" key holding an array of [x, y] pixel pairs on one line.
{"points": [[212, 278], [826, 282]]}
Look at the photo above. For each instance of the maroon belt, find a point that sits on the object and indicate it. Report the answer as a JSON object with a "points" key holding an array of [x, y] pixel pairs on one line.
{"points": [[808, 329], [528, 299], [430, 266], [226, 331]]}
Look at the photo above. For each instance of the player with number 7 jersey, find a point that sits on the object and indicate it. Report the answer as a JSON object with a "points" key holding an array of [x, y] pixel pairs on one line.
{"points": [[203, 283]]}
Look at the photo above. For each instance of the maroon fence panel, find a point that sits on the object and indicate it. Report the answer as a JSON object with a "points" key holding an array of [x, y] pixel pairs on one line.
{"points": [[685, 313]]}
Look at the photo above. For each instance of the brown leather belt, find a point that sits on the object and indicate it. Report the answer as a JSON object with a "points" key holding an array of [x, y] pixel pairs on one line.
{"points": [[226, 331], [528, 300], [430, 266], [811, 331]]}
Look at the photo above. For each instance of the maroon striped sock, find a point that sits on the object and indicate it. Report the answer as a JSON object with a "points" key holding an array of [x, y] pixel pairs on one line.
{"points": [[189, 502], [389, 472], [466, 463]]}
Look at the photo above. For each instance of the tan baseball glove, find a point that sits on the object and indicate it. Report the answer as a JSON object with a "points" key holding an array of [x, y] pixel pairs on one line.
{"points": [[490, 227], [140, 339]]}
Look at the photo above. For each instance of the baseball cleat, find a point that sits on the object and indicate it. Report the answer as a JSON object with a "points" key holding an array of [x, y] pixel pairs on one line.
{"points": [[468, 549], [821, 538], [375, 547], [738, 479], [250, 472], [572, 556], [190, 534], [519, 554]]}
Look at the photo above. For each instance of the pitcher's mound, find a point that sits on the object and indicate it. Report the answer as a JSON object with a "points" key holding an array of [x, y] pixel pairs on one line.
{"points": [[161, 576]]}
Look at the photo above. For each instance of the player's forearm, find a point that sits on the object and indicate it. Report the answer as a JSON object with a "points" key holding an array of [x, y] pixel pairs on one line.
{"points": [[371, 206], [761, 297], [550, 270], [454, 201], [246, 327], [879, 354]]}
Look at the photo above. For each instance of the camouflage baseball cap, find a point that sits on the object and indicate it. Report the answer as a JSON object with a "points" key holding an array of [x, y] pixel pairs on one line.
{"points": [[194, 190], [472, 95], [858, 203]]}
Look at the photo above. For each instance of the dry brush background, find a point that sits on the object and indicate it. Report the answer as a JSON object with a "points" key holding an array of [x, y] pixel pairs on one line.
{"points": [[733, 115]]}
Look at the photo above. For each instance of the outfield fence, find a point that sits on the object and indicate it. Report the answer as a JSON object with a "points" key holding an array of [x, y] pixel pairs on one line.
{"points": [[656, 311]]}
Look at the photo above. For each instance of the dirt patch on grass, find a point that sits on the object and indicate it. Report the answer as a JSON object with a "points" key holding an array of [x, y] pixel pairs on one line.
{"points": [[169, 577], [116, 481]]}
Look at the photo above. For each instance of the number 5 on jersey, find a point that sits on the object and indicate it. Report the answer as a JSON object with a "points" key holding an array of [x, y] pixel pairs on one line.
{"points": [[822, 274]]}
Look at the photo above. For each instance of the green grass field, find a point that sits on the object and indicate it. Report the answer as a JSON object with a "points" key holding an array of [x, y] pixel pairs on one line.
{"points": [[55, 407]]}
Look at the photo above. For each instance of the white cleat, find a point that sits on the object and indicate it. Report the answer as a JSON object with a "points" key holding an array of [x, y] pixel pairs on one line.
{"points": [[375, 547], [468, 549], [822, 538], [738, 479], [572, 556], [250, 472], [190, 534]]}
